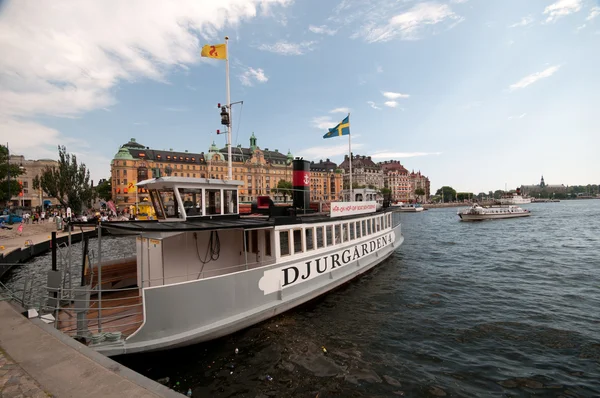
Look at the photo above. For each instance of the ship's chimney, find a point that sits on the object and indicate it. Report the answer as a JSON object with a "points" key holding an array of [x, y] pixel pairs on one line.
{"points": [[301, 183]]}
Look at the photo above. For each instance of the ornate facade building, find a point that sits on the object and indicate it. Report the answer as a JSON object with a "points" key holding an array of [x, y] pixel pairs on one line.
{"points": [[419, 181], [397, 179], [325, 181], [365, 172], [259, 169], [29, 197], [404, 184], [533, 190]]}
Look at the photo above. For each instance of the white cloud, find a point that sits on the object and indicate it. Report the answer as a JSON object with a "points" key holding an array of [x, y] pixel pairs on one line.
{"points": [[458, 1], [323, 122], [392, 155], [407, 25], [534, 77], [580, 27], [373, 105], [521, 116], [561, 8], [286, 48], [322, 30], [393, 96], [77, 61], [340, 110], [379, 69], [594, 12], [325, 151], [251, 75], [391, 104], [176, 109], [523, 22]]}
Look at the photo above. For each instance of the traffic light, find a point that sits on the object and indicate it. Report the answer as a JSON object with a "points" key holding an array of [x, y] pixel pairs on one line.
{"points": [[225, 116]]}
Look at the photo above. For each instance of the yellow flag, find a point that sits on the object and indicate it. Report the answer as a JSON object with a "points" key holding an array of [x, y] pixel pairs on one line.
{"points": [[214, 51]]}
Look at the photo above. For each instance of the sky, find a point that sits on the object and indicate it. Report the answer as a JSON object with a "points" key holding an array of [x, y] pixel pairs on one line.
{"points": [[476, 94]]}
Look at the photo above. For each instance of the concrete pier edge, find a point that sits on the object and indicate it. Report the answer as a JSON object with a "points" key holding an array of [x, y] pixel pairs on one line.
{"points": [[143, 386]]}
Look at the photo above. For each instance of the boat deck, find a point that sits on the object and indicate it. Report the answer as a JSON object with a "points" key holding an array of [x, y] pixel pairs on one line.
{"points": [[121, 308], [120, 312]]}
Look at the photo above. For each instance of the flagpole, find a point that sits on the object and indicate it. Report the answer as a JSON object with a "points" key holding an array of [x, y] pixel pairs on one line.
{"points": [[229, 163], [350, 158]]}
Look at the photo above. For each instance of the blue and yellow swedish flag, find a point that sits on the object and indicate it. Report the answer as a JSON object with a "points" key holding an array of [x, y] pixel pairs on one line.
{"points": [[341, 129]]}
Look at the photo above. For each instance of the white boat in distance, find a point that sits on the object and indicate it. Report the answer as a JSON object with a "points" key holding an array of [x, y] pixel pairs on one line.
{"points": [[515, 198], [478, 213], [410, 208]]}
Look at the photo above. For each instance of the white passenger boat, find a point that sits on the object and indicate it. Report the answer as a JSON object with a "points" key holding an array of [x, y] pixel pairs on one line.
{"points": [[411, 208], [478, 213], [515, 198], [202, 271]]}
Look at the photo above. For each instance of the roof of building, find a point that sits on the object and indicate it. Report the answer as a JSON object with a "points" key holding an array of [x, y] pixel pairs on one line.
{"points": [[327, 166], [392, 165], [359, 161]]}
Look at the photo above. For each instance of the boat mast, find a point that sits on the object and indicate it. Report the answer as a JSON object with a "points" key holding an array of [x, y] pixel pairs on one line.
{"points": [[229, 163], [350, 157]]}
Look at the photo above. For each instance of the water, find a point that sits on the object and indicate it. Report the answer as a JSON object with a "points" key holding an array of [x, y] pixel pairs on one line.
{"points": [[497, 308]]}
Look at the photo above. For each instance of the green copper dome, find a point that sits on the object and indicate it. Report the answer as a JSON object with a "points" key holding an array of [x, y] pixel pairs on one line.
{"points": [[123, 154]]}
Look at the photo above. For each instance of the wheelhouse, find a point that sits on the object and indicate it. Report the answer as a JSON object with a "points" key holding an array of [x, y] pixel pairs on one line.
{"points": [[177, 199]]}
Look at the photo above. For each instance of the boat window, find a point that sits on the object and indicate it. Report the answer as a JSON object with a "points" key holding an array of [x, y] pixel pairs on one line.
{"points": [[284, 243], [320, 242], [297, 241], [309, 239], [254, 241], [192, 201], [212, 201], [364, 228], [267, 243], [369, 227], [231, 199], [377, 223], [169, 203], [338, 234], [345, 232], [329, 235], [358, 234], [158, 208], [352, 230]]}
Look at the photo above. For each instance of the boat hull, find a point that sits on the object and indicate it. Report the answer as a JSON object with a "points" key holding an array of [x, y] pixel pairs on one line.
{"points": [[482, 217], [197, 311]]}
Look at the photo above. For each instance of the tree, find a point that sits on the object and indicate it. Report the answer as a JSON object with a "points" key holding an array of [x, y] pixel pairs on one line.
{"points": [[448, 193], [461, 196], [104, 190], [283, 188], [498, 194], [7, 170], [69, 183]]}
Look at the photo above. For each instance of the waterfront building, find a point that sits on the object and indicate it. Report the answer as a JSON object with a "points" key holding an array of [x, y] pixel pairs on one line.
{"points": [[325, 181], [397, 179], [419, 181], [365, 172], [29, 197], [534, 190], [259, 169], [404, 184]]}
